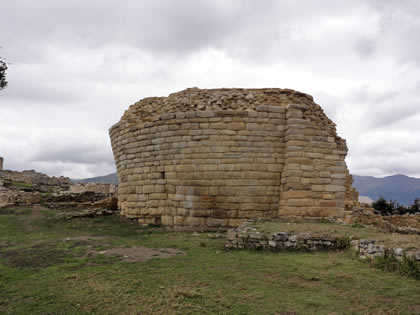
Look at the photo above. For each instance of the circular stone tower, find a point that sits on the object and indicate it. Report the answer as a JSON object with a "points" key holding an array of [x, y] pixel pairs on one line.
{"points": [[215, 158]]}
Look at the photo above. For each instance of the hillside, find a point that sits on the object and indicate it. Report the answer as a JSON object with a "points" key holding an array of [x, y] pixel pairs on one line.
{"points": [[107, 179], [401, 188]]}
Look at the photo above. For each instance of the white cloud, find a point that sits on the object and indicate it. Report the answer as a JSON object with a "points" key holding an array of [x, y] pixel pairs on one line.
{"points": [[76, 66]]}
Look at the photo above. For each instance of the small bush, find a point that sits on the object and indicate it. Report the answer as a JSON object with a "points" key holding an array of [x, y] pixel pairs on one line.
{"points": [[343, 242], [406, 267]]}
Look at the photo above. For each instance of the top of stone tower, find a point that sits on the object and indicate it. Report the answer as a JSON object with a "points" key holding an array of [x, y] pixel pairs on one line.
{"points": [[195, 99]]}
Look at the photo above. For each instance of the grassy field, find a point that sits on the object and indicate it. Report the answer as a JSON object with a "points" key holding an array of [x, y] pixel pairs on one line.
{"points": [[109, 265]]}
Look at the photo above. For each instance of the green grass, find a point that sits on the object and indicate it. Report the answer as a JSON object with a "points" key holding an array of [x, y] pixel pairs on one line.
{"points": [[18, 184], [44, 271]]}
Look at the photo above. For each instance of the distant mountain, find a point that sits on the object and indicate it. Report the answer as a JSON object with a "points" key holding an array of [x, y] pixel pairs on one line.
{"points": [[107, 179], [400, 188]]}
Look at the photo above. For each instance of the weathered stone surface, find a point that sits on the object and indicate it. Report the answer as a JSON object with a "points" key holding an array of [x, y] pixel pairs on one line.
{"points": [[368, 249], [226, 155], [34, 178], [246, 237], [29, 188]]}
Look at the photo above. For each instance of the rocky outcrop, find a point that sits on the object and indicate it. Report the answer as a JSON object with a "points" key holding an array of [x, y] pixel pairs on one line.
{"points": [[215, 158]]}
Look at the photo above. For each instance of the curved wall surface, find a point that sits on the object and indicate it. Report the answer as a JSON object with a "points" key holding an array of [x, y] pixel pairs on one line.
{"points": [[214, 158]]}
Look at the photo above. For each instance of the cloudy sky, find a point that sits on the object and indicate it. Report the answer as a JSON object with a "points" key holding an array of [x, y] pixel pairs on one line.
{"points": [[77, 65]]}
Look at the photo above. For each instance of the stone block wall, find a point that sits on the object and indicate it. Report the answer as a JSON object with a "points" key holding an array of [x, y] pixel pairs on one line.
{"points": [[314, 176], [215, 158]]}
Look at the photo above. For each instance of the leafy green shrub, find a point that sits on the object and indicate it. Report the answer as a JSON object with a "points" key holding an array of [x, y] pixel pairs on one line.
{"points": [[406, 267]]}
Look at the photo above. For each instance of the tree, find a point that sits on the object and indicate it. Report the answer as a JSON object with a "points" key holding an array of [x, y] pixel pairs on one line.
{"points": [[416, 206], [3, 68], [392, 207], [382, 206]]}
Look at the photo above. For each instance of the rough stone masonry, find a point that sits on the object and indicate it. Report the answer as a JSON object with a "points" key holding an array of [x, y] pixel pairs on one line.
{"points": [[216, 158]]}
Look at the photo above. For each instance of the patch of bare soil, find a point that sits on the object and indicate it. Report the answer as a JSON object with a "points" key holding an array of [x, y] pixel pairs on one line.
{"points": [[40, 255], [139, 253], [84, 238], [36, 213]]}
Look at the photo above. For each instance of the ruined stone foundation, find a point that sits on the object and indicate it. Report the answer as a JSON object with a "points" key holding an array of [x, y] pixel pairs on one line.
{"points": [[215, 158]]}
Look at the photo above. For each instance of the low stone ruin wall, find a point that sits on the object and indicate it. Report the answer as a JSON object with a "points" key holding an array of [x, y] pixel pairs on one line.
{"points": [[245, 237], [16, 197], [34, 178], [369, 249], [403, 224], [68, 201], [406, 220], [54, 192]]}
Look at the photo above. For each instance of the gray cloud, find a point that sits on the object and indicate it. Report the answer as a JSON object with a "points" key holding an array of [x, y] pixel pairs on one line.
{"points": [[76, 66]]}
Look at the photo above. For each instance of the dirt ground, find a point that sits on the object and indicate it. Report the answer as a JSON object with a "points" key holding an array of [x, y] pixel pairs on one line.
{"points": [[139, 253], [130, 254], [44, 254]]}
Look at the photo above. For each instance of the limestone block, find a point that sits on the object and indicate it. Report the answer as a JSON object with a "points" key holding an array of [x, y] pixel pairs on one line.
{"points": [[335, 188], [195, 221], [227, 191], [318, 188], [301, 202], [148, 189], [205, 114], [236, 125], [213, 222], [180, 220]]}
